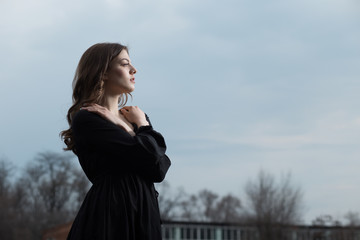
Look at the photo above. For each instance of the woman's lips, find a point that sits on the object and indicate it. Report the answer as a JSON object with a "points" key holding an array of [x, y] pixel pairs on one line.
{"points": [[132, 80]]}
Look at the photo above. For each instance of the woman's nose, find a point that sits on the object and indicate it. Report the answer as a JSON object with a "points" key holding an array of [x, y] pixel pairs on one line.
{"points": [[133, 70]]}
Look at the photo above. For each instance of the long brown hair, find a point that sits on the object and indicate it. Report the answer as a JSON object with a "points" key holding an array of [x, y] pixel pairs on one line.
{"points": [[88, 82]]}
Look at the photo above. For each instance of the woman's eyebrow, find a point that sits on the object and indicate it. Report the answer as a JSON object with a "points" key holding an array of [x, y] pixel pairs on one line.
{"points": [[124, 59]]}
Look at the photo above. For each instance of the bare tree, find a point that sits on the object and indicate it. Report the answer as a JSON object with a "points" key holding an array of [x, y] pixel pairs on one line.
{"points": [[208, 200], [55, 183], [7, 217], [272, 205], [191, 208], [229, 209], [202, 206], [45, 186], [169, 202], [48, 192], [352, 219], [6, 168]]}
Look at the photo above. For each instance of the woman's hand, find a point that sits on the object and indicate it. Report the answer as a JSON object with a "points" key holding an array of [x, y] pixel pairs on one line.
{"points": [[107, 114], [134, 115], [102, 111]]}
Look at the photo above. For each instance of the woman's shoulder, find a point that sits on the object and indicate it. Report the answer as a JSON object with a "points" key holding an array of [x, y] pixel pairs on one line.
{"points": [[84, 116]]}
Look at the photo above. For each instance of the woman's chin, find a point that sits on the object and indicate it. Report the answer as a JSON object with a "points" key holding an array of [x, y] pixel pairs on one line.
{"points": [[127, 90]]}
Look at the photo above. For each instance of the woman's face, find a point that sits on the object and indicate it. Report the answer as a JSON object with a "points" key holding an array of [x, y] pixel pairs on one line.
{"points": [[120, 76]]}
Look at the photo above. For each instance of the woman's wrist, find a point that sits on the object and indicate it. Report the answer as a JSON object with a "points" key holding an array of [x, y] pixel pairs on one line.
{"points": [[142, 123]]}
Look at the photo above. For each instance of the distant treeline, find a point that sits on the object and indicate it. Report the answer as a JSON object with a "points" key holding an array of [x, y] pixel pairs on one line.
{"points": [[48, 192], [51, 188]]}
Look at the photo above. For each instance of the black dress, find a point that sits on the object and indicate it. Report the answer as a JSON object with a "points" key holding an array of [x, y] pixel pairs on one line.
{"points": [[122, 202]]}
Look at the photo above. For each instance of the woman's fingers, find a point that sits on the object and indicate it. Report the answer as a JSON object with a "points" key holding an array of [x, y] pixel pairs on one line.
{"points": [[95, 108], [131, 108], [134, 115], [124, 110]]}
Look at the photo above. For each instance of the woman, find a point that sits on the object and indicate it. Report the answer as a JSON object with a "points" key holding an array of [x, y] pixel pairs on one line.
{"points": [[118, 150]]}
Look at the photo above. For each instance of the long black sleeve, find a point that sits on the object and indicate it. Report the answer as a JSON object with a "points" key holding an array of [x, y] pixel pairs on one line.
{"points": [[143, 153]]}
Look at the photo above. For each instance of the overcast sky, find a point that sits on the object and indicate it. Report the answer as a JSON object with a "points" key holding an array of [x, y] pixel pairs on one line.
{"points": [[235, 86]]}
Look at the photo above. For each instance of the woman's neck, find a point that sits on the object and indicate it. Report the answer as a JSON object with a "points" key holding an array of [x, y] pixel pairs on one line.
{"points": [[111, 103]]}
